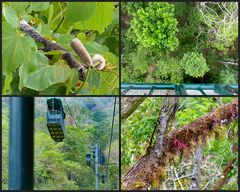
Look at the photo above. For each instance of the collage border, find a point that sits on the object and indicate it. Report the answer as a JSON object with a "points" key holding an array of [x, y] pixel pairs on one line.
{"points": [[119, 96]]}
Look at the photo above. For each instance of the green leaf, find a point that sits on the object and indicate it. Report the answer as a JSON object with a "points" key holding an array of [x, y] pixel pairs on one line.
{"points": [[109, 83], [112, 59], [40, 6], [50, 13], [19, 7], [79, 11], [72, 81], [82, 37], [11, 16], [48, 75], [100, 19], [65, 39], [7, 84], [16, 49], [55, 52], [36, 60], [95, 48], [57, 89], [44, 29], [94, 78]]}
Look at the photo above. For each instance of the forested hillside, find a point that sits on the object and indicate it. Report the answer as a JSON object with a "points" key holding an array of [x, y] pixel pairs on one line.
{"points": [[179, 42], [62, 166], [179, 143]]}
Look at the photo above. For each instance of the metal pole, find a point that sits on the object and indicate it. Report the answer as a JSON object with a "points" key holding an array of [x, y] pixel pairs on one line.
{"points": [[21, 143], [96, 165]]}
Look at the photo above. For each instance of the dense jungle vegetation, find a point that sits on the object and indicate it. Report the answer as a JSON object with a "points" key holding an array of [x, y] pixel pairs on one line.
{"points": [[62, 165], [180, 42], [198, 144]]}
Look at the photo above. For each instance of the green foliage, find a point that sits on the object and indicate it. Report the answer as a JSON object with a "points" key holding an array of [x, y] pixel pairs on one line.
{"points": [[223, 29], [80, 12], [194, 64], [155, 26], [136, 131], [228, 76], [132, 7], [221, 42], [192, 109], [93, 23], [168, 70], [144, 28]]}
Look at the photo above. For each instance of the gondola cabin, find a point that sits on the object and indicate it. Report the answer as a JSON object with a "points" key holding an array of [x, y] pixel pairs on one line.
{"points": [[55, 119]]}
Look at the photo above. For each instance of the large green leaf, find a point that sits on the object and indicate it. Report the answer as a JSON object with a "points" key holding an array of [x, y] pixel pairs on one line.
{"points": [[16, 49], [109, 83], [40, 6], [48, 75], [19, 7], [72, 81], [94, 78], [80, 11], [95, 48], [37, 60], [100, 19], [11, 16], [56, 89]]}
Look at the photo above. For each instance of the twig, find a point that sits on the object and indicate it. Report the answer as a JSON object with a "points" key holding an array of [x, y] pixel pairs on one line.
{"points": [[228, 62], [177, 178], [49, 46]]}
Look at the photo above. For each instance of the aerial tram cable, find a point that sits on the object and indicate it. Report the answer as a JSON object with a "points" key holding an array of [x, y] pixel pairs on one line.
{"points": [[110, 140], [70, 112]]}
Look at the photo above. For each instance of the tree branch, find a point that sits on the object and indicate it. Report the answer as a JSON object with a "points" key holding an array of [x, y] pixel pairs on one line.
{"points": [[49, 46], [228, 62], [129, 105], [149, 168], [222, 181], [196, 168]]}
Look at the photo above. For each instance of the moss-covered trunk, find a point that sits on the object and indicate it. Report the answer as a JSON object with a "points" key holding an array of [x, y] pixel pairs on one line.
{"points": [[150, 169]]}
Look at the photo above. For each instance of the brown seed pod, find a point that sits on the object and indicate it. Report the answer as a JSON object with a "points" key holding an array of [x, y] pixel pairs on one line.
{"points": [[78, 47]]}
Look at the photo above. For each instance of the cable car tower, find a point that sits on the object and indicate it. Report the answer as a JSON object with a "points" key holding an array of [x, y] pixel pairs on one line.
{"points": [[55, 119]]}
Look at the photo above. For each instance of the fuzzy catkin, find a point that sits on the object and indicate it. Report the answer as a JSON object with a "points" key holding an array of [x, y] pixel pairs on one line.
{"points": [[78, 47]]}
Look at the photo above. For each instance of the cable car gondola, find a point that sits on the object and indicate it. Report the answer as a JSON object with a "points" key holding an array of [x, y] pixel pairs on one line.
{"points": [[55, 119]]}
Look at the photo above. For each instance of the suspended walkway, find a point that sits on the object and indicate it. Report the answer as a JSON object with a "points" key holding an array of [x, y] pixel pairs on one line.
{"points": [[180, 89]]}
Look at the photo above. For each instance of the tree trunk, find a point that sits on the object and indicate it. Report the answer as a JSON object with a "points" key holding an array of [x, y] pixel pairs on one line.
{"points": [[150, 168], [129, 105]]}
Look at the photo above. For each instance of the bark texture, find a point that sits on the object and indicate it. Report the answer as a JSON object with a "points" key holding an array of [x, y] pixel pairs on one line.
{"points": [[196, 168], [150, 168], [129, 105]]}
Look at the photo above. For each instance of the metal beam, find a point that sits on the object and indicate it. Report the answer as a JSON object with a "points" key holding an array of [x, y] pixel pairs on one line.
{"points": [[21, 143]]}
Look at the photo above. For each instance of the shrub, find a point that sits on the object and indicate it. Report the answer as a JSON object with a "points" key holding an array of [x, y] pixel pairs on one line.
{"points": [[155, 26], [168, 70], [228, 76], [194, 64]]}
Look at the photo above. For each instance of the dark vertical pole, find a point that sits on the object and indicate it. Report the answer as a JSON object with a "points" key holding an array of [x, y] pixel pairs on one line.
{"points": [[21, 143], [96, 164]]}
